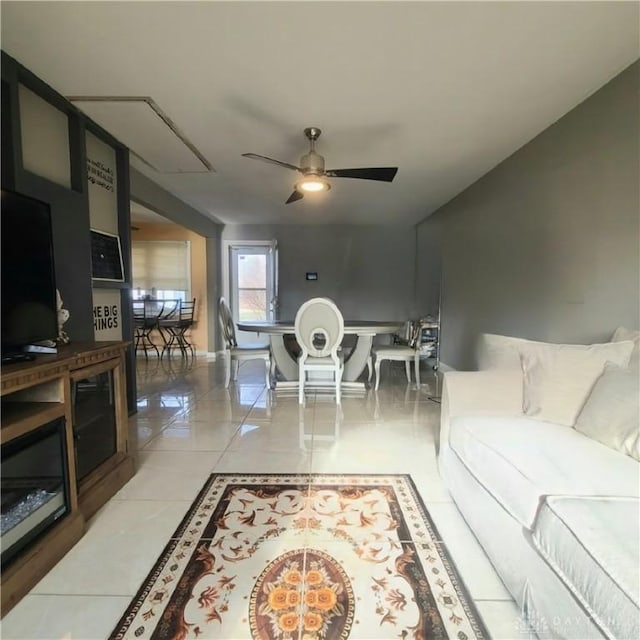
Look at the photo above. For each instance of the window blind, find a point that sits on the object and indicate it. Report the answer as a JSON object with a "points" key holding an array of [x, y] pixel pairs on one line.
{"points": [[161, 264]]}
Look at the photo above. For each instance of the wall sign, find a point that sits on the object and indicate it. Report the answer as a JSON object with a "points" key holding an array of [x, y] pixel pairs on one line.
{"points": [[101, 175], [107, 317], [312, 275], [102, 185]]}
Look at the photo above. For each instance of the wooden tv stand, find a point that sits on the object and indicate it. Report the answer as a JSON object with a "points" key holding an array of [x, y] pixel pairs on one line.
{"points": [[35, 393]]}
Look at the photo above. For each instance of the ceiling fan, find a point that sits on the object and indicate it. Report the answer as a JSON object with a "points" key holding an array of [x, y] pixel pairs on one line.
{"points": [[314, 175]]}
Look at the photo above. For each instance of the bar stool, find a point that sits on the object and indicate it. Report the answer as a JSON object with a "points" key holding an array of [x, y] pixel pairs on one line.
{"points": [[146, 314], [175, 326]]}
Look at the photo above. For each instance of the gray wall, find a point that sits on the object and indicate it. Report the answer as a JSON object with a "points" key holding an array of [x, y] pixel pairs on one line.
{"points": [[428, 263], [215, 341], [546, 245], [369, 271]]}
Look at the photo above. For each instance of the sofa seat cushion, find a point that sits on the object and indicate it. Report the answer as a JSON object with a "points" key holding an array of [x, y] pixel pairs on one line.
{"points": [[519, 460], [593, 545]]}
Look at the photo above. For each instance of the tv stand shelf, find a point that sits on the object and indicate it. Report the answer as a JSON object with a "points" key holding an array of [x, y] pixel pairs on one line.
{"points": [[34, 394], [19, 418]]}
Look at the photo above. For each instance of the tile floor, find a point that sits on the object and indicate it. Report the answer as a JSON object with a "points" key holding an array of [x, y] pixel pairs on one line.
{"points": [[188, 426]]}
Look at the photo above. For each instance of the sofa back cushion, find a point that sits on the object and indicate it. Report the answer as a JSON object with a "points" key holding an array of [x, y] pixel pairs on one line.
{"points": [[558, 378], [499, 352], [611, 414]]}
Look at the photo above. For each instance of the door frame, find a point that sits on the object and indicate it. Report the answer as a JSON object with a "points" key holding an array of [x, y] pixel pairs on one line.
{"points": [[228, 246]]}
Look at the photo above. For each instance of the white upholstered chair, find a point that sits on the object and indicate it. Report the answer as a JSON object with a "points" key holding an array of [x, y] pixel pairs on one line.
{"points": [[406, 353], [236, 353], [319, 328]]}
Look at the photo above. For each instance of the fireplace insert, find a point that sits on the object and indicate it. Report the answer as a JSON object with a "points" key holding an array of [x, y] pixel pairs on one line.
{"points": [[34, 487]]}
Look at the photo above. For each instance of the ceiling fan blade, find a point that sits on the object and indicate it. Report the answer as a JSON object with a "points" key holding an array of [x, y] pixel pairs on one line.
{"points": [[255, 156], [385, 174], [296, 195]]}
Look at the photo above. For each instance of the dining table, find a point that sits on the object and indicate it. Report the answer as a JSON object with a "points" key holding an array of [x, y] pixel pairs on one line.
{"points": [[281, 333]]}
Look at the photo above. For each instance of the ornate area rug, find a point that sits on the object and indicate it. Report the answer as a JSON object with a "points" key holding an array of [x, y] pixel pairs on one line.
{"points": [[275, 557]]}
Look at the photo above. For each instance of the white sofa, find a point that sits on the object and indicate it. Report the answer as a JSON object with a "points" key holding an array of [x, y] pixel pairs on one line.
{"points": [[539, 450]]}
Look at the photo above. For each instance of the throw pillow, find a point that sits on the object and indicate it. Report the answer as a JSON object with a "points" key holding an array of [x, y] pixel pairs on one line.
{"points": [[611, 414], [620, 334], [558, 378]]}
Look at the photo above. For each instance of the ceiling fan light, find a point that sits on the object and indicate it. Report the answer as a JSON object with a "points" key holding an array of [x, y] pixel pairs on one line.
{"points": [[312, 184]]}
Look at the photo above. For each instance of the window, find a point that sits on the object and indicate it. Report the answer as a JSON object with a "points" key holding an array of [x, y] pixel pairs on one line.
{"points": [[161, 269], [252, 288]]}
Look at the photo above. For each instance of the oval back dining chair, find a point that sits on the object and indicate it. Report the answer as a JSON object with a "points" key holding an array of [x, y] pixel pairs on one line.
{"points": [[319, 328], [236, 353]]}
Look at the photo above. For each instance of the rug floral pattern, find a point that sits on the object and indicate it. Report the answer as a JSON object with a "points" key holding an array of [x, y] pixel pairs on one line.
{"points": [[274, 557], [302, 590]]}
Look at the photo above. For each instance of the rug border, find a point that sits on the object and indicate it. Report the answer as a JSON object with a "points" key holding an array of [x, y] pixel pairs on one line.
{"points": [[161, 560], [451, 567]]}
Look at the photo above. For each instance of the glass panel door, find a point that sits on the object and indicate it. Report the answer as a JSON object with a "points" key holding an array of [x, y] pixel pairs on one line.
{"points": [[94, 421], [253, 274]]}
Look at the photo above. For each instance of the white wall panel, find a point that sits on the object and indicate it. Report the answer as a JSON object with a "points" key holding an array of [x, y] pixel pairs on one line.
{"points": [[45, 138]]}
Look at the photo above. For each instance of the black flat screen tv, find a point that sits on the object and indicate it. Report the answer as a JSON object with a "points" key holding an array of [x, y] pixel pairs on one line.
{"points": [[28, 294]]}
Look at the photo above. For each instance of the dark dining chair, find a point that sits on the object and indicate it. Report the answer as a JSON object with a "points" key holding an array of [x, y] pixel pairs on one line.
{"points": [[174, 328], [146, 315]]}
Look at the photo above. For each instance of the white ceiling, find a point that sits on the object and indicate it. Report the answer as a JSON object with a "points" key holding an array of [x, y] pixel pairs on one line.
{"points": [[443, 90]]}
